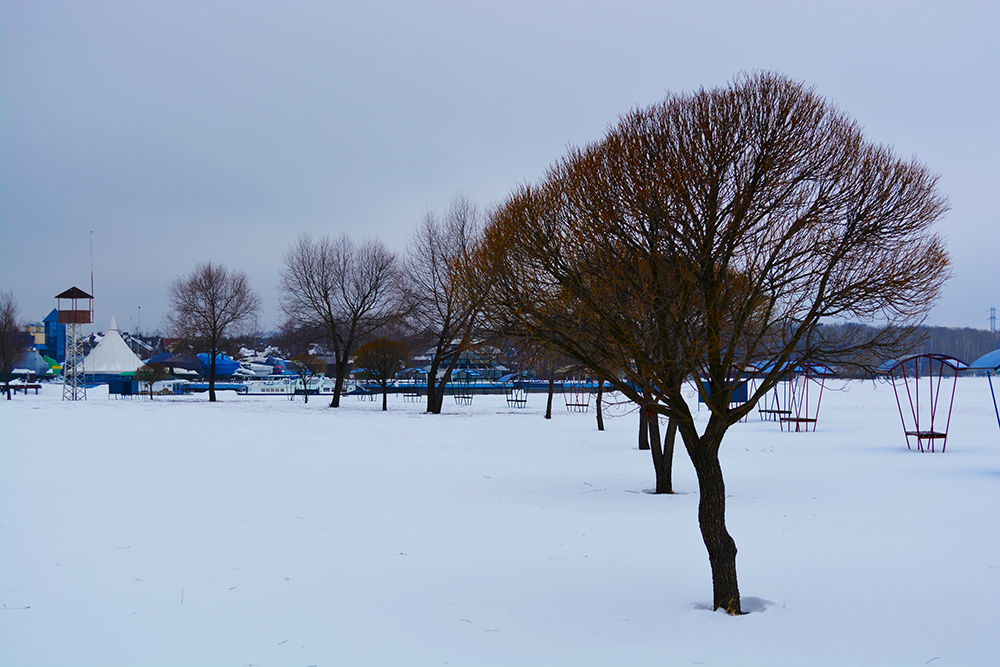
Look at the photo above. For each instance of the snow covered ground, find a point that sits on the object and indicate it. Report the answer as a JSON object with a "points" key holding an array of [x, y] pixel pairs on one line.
{"points": [[259, 531]]}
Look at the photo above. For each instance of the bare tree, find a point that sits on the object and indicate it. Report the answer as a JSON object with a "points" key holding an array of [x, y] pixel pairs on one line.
{"points": [[13, 339], [710, 236], [383, 359], [343, 291], [210, 305], [307, 366], [298, 345], [443, 313], [150, 374]]}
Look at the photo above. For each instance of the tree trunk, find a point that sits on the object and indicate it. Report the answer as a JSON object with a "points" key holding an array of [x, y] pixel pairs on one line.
{"points": [[432, 401], [435, 398], [662, 461], [211, 377], [548, 403], [643, 430], [385, 397], [443, 384], [712, 520], [338, 383], [600, 409], [666, 471]]}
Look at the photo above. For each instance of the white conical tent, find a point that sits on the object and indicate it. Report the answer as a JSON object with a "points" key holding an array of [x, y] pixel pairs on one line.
{"points": [[111, 355]]}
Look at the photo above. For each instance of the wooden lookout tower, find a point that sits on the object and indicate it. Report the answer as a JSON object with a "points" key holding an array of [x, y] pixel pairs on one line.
{"points": [[79, 310]]}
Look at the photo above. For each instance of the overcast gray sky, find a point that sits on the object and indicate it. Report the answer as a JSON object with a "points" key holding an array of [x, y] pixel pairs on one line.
{"points": [[173, 133]]}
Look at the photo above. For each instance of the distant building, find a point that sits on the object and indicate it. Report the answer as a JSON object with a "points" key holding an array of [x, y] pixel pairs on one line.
{"points": [[55, 337], [36, 330]]}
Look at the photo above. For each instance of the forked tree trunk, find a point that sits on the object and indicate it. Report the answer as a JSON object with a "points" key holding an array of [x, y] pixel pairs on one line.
{"points": [[663, 456], [712, 520], [435, 402], [436, 389]]}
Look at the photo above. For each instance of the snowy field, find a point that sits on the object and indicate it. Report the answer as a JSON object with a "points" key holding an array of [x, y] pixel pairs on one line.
{"points": [[259, 531]]}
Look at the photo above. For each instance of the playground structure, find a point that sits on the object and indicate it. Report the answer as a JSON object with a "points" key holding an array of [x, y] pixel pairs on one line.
{"points": [[462, 385], [922, 422], [990, 365], [410, 382], [775, 404], [515, 388], [576, 394], [804, 394], [741, 388]]}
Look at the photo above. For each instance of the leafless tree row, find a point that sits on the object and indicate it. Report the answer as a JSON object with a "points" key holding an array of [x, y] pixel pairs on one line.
{"points": [[714, 235]]}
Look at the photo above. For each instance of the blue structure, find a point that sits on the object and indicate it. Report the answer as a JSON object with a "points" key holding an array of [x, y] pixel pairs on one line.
{"points": [[224, 364], [119, 386], [55, 337], [990, 363]]}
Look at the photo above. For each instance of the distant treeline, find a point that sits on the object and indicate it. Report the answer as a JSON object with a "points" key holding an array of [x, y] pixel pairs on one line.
{"points": [[965, 344]]}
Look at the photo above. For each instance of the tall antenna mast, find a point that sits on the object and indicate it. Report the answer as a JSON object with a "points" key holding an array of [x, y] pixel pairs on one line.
{"points": [[91, 261]]}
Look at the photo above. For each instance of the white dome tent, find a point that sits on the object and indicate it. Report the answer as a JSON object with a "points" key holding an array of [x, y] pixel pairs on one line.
{"points": [[112, 355]]}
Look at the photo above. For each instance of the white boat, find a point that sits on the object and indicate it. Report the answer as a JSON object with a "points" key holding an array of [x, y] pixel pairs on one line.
{"points": [[283, 386], [288, 385]]}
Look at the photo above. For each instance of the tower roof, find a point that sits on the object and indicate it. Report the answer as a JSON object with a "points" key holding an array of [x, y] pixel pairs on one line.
{"points": [[74, 293]]}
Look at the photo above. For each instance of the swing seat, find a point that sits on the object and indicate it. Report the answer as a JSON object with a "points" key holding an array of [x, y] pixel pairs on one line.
{"points": [[801, 423]]}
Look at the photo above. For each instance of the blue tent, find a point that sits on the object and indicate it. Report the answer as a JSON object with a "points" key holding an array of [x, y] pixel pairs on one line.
{"points": [[184, 361], [224, 364], [990, 363]]}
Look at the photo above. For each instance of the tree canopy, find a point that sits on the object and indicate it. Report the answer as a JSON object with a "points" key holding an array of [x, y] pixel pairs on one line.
{"points": [[209, 305], [708, 237], [342, 291]]}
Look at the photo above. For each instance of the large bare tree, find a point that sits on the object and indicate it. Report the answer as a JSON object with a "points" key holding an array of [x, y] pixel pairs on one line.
{"points": [[709, 236], [13, 339], [341, 290], [209, 306], [443, 314]]}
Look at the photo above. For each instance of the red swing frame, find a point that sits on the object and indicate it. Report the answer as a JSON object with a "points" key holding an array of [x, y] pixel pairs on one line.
{"points": [[925, 422]]}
